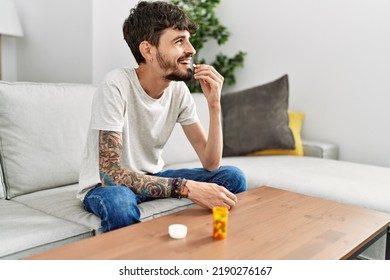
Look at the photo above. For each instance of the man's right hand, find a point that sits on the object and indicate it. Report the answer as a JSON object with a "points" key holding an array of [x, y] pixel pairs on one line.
{"points": [[209, 195]]}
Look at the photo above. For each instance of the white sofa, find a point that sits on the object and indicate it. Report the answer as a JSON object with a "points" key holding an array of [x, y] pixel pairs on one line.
{"points": [[42, 134]]}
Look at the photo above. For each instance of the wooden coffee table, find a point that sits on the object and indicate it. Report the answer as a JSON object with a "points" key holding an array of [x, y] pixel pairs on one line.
{"points": [[266, 223]]}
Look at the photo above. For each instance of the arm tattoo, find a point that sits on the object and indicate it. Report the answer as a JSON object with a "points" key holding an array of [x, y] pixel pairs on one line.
{"points": [[112, 173]]}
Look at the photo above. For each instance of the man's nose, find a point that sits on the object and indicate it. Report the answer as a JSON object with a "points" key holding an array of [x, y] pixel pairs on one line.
{"points": [[190, 49]]}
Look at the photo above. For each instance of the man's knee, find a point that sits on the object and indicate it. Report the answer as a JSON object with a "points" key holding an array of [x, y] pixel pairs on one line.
{"points": [[235, 178], [115, 205]]}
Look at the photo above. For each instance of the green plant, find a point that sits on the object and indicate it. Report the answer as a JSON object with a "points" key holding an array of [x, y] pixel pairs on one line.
{"points": [[203, 13]]}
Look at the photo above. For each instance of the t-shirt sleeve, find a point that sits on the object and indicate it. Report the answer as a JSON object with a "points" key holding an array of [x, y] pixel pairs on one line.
{"points": [[108, 107], [188, 114]]}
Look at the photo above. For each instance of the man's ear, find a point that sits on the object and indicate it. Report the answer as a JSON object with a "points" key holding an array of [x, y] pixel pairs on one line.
{"points": [[146, 50]]}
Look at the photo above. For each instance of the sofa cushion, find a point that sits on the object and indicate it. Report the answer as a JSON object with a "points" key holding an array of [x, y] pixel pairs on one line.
{"points": [[42, 133], [340, 181], [295, 124], [256, 119], [25, 231], [161, 207], [62, 203], [346, 182]]}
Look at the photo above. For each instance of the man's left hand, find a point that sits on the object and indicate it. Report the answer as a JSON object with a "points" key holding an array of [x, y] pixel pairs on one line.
{"points": [[211, 82]]}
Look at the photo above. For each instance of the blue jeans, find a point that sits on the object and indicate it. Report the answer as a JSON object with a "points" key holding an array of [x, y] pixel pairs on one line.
{"points": [[117, 206]]}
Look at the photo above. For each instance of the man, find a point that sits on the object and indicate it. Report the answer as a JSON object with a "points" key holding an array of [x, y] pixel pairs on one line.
{"points": [[133, 114]]}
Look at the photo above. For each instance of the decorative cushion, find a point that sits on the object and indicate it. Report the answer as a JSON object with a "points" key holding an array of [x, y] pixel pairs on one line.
{"points": [[257, 119], [43, 128], [295, 124]]}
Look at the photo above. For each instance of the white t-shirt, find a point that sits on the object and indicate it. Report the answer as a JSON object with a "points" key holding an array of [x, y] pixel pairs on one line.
{"points": [[120, 104]]}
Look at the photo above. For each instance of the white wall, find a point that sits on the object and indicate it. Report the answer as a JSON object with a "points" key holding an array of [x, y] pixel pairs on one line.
{"points": [[9, 70], [335, 52], [67, 41], [109, 48], [57, 41]]}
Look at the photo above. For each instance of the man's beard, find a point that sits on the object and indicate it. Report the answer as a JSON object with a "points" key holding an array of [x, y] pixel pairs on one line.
{"points": [[176, 74]]}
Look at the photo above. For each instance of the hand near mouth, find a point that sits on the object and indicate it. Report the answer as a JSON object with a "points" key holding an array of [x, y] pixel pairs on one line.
{"points": [[211, 82]]}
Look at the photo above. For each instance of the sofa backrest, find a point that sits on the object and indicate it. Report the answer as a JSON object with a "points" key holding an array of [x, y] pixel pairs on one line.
{"points": [[43, 129], [178, 148], [2, 186]]}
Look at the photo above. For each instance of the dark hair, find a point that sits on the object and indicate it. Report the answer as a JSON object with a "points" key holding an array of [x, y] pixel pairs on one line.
{"points": [[148, 19]]}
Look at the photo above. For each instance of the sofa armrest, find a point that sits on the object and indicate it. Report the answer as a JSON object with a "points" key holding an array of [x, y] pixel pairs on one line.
{"points": [[320, 149]]}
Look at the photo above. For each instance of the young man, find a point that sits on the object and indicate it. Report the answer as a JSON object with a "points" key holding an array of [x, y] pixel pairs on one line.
{"points": [[133, 114]]}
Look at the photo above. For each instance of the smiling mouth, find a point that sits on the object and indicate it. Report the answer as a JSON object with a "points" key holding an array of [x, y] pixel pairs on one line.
{"points": [[185, 62]]}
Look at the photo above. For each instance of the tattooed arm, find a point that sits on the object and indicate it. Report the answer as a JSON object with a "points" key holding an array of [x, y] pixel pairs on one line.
{"points": [[113, 173]]}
